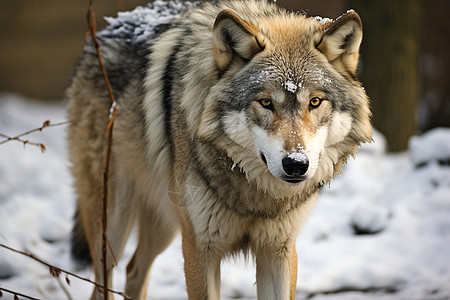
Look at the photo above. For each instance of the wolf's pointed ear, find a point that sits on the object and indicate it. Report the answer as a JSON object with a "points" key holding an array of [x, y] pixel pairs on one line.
{"points": [[340, 41], [234, 37]]}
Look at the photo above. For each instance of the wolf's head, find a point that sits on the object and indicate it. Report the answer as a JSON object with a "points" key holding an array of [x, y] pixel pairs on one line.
{"points": [[287, 100]]}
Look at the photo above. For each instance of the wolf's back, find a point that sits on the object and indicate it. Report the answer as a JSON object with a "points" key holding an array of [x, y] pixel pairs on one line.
{"points": [[125, 47]]}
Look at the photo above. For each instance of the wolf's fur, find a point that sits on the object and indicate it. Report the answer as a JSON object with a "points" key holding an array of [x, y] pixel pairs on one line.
{"points": [[230, 118]]}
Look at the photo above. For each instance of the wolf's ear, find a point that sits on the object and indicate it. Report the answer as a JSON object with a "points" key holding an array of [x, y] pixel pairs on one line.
{"points": [[340, 42], [233, 37]]}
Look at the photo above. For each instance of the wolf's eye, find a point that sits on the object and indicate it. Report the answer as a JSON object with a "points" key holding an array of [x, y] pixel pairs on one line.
{"points": [[315, 102], [266, 103]]}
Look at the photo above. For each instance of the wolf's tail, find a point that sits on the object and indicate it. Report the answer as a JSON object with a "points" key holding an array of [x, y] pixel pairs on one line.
{"points": [[79, 245]]}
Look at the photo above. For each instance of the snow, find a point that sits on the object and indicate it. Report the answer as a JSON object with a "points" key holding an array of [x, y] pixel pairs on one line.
{"points": [[368, 218], [290, 86], [432, 146], [292, 82], [323, 20], [380, 231], [298, 156], [141, 23]]}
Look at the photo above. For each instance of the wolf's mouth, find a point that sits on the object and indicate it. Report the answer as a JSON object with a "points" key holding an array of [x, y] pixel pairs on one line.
{"points": [[293, 180]]}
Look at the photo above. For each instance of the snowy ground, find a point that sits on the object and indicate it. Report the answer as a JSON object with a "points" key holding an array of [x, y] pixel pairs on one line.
{"points": [[401, 214]]}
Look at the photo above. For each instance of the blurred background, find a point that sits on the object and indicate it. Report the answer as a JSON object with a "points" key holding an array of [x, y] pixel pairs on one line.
{"points": [[405, 57]]}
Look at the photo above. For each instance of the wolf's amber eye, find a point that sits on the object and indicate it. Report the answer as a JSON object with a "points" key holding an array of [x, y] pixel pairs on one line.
{"points": [[315, 102], [266, 103]]}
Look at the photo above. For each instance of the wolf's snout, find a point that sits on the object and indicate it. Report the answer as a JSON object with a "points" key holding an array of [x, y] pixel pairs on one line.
{"points": [[294, 166]]}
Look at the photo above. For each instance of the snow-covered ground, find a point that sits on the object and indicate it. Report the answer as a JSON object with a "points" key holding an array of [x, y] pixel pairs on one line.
{"points": [[380, 231]]}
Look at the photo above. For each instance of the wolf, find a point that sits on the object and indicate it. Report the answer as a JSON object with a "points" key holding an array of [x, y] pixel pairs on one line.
{"points": [[230, 117]]}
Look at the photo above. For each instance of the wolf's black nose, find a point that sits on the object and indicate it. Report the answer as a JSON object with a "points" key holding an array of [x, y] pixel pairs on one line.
{"points": [[295, 166]]}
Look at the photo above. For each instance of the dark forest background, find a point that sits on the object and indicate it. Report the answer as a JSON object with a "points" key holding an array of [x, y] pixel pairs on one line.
{"points": [[405, 57]]}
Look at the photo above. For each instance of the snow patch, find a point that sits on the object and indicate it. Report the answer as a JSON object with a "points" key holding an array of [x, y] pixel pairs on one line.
{"points": [[323, 20], [290, 86], [298, 156], [368, 218], [431, 146], [140, 24]]}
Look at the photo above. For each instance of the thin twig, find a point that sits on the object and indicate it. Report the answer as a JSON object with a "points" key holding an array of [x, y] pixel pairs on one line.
{"points": [[44, 125], [112, 252], [56, 271], [93, 28], [109, 130], [18, 138], [17, 294], [64, 289]]}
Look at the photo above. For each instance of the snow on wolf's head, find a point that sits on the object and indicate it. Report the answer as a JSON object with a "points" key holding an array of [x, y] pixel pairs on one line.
{"points": [[287, 97]]}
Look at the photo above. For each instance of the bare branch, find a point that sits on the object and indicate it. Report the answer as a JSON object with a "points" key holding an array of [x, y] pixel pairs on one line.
{"points": [[58, 271], [64, 289], [16, 295], [18, 138], [109, 130]]}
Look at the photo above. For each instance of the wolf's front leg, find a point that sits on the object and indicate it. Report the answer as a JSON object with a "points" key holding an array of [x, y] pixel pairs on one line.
{"points": [[201, 268], [276, 273]]}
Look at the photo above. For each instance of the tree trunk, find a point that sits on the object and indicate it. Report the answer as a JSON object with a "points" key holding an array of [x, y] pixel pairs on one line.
{"points": [[390, 65]]}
